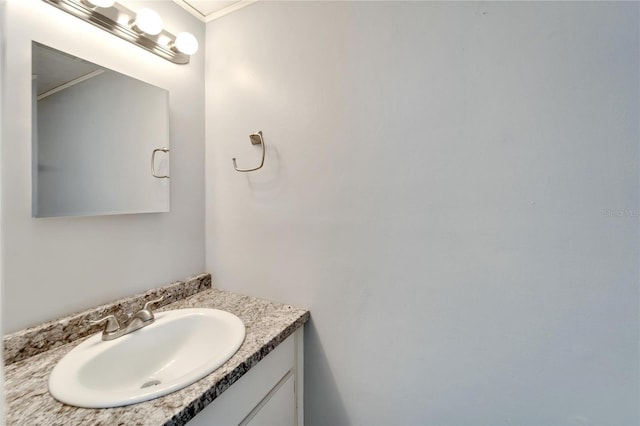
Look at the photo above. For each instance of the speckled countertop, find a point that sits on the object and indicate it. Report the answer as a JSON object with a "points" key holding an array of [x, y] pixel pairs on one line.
{"points": [[28, 401]]}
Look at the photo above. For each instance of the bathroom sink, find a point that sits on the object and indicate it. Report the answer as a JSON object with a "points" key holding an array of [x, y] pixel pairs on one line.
{"points": [[178, 349]]}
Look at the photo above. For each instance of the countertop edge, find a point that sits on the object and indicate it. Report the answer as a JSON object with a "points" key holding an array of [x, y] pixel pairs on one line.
{"points": [[197, 405]]}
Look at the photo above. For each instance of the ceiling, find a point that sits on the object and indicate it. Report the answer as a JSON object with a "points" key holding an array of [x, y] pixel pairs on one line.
{"points": [[54, 69], [208, 10]]}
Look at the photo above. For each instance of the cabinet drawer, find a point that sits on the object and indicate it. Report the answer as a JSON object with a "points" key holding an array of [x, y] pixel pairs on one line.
{"points": [[279, 409]]}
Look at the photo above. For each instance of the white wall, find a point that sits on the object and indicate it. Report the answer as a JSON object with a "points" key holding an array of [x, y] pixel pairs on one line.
{"points": [[56, 266], [451, 188], [2, 108]]}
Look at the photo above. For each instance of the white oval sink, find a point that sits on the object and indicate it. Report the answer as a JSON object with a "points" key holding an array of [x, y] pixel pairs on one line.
{"points": [[178, 349]]}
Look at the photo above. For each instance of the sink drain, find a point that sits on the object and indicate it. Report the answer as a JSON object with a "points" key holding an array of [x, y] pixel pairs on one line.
{"points": [[150, 383]]}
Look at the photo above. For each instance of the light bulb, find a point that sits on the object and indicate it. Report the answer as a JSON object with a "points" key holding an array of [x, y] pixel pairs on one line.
{"points": [[99, 3], [148, 22], [186, 43]]}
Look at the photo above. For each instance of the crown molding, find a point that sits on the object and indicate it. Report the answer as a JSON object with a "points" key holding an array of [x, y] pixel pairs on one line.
{"points": [[214, 15]]}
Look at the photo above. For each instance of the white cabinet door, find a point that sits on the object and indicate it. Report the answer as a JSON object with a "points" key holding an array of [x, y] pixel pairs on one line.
{"points": [[280, 409], [268, 394]]}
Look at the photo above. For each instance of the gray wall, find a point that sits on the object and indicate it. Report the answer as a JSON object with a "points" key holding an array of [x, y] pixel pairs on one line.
{"points": [[52, 267], [2, 108], [451, 188]]}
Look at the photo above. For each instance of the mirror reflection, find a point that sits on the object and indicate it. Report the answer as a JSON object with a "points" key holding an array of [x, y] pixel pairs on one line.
{"points": [[100, 139]]}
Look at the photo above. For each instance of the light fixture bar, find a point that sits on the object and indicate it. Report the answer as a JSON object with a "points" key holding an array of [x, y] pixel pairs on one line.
{"points": [[116, 20]]}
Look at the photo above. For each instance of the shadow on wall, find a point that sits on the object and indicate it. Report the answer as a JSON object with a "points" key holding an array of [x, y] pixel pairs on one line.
{"points": [[322, 402], [267, 185]]}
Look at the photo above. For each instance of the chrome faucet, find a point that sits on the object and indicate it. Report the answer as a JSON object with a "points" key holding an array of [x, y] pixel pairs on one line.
{"points": [[142, 318]]}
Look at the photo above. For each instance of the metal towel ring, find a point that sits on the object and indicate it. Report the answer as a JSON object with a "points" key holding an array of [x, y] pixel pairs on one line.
{"points": [[256, 139]]}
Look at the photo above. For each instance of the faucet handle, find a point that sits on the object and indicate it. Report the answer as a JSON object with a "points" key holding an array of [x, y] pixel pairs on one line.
{"points": [[112, 323], [145, 314], [147, 305]]}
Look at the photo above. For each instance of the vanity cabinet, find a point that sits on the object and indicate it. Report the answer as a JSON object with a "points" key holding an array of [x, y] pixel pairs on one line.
{"points": [[271, 393]]}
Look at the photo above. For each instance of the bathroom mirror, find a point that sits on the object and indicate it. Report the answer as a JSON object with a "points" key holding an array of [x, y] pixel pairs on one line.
{"points": [[100, 139]]}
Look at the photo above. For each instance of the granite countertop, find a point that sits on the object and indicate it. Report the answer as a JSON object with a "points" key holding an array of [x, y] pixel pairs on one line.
{"points": [[267, 324]]}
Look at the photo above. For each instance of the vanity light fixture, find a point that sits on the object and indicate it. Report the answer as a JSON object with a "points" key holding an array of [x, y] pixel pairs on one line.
{"points": [[147, 21], [185, 43], [99, 3], [143, 28]]}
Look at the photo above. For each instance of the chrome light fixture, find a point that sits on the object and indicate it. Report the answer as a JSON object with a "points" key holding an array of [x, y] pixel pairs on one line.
{"points": [[143, 28], [147, 21], [185, 43], [99, 3]]}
